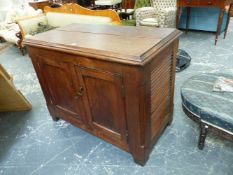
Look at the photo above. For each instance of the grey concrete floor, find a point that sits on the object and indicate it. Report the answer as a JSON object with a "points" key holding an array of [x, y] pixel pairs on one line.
{"points": [[31, 143]]}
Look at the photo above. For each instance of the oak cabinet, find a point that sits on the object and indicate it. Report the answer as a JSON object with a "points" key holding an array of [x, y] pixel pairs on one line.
{"points": [[115, 86]]}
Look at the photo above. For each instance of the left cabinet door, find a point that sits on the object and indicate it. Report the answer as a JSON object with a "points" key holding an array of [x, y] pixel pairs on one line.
{"points": [[59, 88]]}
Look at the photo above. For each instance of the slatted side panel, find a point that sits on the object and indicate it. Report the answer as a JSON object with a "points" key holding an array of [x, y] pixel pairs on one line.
{"points": [[160, 90]]}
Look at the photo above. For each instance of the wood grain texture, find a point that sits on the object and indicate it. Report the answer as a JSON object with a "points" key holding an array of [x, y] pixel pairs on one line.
{"points": [[77, 9], [141, 45], [11, 99], [127, 103]]}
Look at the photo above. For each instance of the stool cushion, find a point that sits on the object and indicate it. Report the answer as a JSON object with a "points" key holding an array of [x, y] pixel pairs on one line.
{"points": [[215, 108]]}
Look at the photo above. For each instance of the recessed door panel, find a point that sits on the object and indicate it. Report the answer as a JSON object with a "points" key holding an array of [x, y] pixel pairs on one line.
{"points": [[60, 86], [105, 102]]}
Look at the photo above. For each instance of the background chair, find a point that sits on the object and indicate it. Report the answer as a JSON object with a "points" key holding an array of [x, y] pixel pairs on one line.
{"points": [[114, 4], [129, 14], [161, 14], [9, 30]]}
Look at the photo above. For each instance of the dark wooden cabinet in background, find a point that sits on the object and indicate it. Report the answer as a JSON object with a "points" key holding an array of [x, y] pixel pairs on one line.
{"points": [[128, 4], [115, 82]]}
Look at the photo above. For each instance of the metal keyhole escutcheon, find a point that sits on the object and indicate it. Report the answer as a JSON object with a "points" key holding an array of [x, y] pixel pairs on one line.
{"points": [[80, 92]]}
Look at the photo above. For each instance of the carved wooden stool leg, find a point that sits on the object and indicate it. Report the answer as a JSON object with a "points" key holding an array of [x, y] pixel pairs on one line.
{"points": [[2, 39], [20, 45], [21, 50], [203, 133]]}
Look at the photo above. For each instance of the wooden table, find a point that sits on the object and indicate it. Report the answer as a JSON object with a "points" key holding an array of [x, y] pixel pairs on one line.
{"points": [[91, 78], [39, 4], [221, 4]]}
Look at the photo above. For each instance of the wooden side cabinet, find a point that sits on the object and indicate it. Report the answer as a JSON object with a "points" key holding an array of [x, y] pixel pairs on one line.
{"points": [[128, 4], [121, 94]]}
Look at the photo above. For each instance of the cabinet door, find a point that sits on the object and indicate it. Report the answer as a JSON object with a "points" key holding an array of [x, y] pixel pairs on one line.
{"points": [[59, 85], [104, 101]]}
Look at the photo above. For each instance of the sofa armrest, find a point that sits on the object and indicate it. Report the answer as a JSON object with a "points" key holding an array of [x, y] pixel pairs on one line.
{"points": [[144, 12], [167, 17], [30, 24]]}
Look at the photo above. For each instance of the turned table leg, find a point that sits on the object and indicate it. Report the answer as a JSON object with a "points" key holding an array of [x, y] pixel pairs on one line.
{"points": [[187, 19], [203, 133], [178, 17], [228, 20], [221, 13]]}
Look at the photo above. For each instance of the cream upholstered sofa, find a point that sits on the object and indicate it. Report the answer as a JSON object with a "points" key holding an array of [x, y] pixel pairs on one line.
{"points": [[9, 28], [161, 14], [30, 26], [65, 15]]}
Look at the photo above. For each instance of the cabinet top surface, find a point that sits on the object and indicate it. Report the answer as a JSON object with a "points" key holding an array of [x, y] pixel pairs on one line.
{"points": [[133, 45]]}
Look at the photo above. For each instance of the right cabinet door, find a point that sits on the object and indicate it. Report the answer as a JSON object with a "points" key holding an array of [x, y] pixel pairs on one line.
{"points": [[104, 101]]}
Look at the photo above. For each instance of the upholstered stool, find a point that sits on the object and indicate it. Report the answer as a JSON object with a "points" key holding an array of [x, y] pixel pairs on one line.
{"points": [[213, 111]]}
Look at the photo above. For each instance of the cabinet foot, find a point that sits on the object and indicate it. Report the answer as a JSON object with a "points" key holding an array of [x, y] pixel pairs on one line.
{"points": [[170, 121], [55, 118], [141, 161]]}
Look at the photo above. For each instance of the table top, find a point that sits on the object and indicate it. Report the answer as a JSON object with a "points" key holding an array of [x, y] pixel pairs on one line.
{"points": [[204, 3], [213, 107], [134, 45]]}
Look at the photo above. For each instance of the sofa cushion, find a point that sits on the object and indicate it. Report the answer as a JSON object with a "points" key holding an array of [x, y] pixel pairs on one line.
{"points": [[18, 13], [8, 32], [62, 19], [9, 35], [30, 25]]}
